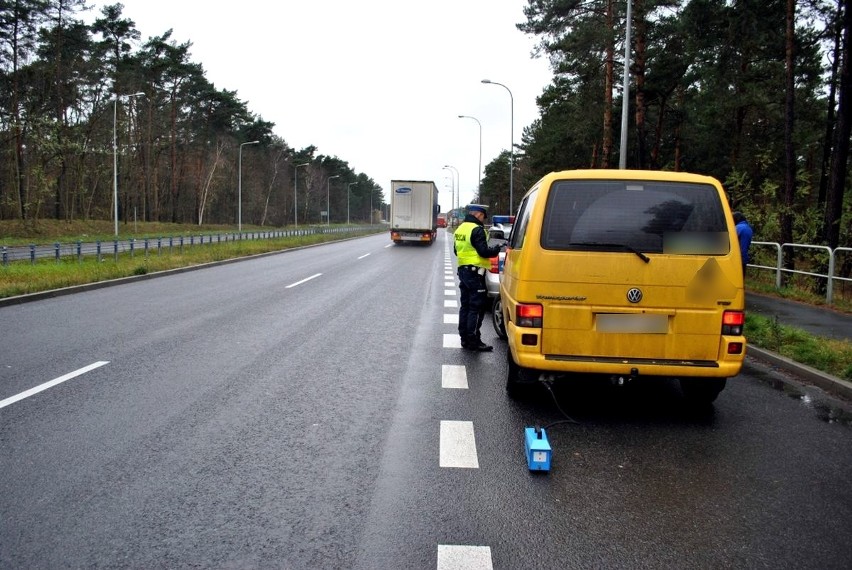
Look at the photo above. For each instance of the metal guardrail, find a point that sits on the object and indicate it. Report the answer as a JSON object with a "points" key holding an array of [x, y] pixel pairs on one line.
{"points": [[148, 246], [829, 275]]}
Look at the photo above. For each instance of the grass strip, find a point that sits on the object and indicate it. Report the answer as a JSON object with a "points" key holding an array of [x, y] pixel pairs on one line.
{"points": [[21, 278], [828, 355]]}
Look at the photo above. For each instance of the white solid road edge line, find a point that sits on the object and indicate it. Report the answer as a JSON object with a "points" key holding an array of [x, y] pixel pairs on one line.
{"points": [[461, 557], [51, 384]]}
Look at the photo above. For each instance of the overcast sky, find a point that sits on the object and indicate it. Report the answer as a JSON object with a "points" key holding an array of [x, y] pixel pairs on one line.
{"points": [[378, 83]]}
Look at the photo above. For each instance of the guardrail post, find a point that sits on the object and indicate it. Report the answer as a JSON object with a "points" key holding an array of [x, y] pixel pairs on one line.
{"points": [[159, 246], [181, 245], [829, 287], [146, 248], [79, 251], [115, 250], [5, 256], [56, 248], [32, 254], [98, 248], [132, 247]]}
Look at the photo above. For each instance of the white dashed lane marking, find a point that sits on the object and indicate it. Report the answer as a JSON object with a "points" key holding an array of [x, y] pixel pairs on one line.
{"points": [[453, 376], [460, 557], [452, 341], [51, 384], [458, 445], [457, 441]]}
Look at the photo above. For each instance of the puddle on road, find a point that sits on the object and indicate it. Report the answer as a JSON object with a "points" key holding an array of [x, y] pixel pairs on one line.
{"points": [[825, 408]]}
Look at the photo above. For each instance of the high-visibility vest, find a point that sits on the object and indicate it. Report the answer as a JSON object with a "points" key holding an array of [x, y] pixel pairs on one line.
{"points": [[464, 249]]}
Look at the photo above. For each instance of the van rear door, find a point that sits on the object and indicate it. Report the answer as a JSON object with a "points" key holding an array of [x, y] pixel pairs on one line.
{"points": [[638, 269]]}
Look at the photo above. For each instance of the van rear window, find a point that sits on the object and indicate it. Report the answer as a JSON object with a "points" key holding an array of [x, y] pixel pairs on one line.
{"points": [[644, 216]]}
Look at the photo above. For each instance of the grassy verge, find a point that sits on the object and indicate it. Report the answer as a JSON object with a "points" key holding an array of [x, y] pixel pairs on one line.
{"points": [[831, 356], [21, 278]]}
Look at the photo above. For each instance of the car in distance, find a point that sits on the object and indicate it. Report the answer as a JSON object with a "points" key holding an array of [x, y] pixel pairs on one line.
{"points": [[499, 232]]}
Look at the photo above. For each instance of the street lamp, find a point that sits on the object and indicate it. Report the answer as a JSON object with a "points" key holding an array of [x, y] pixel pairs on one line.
{"points": [[479, 171], [115, 154], [296, 193], [348, 190], [454, 195], [328, 199], [625, 102], [511, 145], [240, 187]]}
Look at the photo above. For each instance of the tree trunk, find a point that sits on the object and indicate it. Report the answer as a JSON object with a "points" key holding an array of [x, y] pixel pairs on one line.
{"points": [[639, 71], [831, 107], [609, 70], [840, 153], [789, 191]]}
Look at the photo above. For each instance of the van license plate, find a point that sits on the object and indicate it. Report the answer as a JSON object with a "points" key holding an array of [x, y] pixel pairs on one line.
{"points": [[632, 323]]}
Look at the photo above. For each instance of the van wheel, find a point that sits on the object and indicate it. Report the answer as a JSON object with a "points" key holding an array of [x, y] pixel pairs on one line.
{"points": [[702, 390], [497, 318], [519, 380]]}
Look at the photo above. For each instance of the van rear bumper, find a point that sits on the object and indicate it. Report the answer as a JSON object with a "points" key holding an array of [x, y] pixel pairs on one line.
{"points": [[570, 364]]}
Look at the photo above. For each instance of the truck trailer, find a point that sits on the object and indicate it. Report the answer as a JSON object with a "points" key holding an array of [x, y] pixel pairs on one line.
{"points": [[414, 211]]}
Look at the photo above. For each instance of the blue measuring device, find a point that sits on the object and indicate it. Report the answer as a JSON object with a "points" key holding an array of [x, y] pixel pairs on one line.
{"points": [[537, 448]]}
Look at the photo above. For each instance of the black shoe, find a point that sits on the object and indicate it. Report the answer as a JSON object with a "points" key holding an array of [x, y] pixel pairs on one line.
{"points": [[480, 346]]}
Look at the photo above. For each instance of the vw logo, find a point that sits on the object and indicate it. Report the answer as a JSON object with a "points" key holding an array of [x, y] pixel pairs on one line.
{"points": [[634, 295]]}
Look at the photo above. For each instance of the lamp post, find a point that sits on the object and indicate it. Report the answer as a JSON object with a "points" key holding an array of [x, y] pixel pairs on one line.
{"points": [[479, 170], [328, 199], [622, 156], [453, 177], [296, 193], [348, 190], [115, 154], [240, 187], [511, 145]]}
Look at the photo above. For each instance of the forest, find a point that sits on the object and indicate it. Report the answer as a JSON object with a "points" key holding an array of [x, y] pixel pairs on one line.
{"points": [[89, 112], [756, 93], [753, 92]]}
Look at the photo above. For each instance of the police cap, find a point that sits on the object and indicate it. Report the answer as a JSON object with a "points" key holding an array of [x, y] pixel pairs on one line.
{"points": [[477, 208]]}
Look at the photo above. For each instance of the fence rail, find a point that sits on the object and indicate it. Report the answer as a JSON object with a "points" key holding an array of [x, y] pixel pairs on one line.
{"points": [[825, 257], [150, 246]]}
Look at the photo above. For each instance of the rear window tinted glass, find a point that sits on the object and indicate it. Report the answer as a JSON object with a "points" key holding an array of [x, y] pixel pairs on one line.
{"points": [[624, 215]]}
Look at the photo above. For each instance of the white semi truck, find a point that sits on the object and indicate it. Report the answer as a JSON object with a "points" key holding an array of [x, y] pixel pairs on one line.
{"points": [[414, 211]]}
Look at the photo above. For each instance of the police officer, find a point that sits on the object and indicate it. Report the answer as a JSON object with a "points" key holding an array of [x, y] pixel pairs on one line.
{"points": [[471, 247]]}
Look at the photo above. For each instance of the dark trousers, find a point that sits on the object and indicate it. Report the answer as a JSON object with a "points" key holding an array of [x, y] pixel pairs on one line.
{"points": [[473, 301]]}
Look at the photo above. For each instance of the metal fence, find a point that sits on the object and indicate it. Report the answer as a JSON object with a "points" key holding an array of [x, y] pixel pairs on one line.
{"points": [[812, 257], [151, 246]]}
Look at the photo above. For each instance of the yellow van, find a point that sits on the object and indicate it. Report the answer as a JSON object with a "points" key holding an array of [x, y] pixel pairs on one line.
{"points": [[624, 274]]}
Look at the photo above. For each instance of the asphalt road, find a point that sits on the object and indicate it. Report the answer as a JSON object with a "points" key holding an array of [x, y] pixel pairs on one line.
{"points": [[290, 411]]}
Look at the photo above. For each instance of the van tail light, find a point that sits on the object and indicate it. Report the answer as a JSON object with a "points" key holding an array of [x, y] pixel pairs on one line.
{"points": [[529, 315], [495, 265], [732, 323]]}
